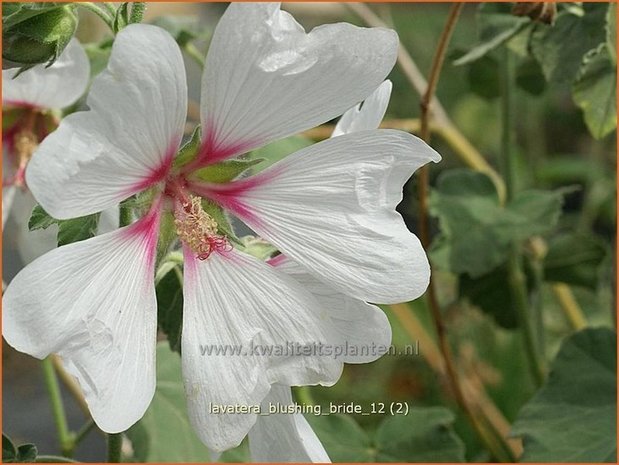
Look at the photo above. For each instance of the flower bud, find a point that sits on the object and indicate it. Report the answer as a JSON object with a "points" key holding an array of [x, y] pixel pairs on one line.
{"points": [[40, 38]]}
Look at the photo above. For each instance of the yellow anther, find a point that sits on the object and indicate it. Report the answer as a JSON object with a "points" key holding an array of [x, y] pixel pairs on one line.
{"points": [[197, 229]]}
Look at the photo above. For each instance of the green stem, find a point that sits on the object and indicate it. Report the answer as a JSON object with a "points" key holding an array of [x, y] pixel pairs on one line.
{"points": [[53, 459], [517, 282], [102, 13], [518, 289], [65, 437], [114, 447], [83, 431]]}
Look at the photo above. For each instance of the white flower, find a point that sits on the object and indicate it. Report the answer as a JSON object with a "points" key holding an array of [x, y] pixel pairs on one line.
{"points": [[93, 302], [30, 98], [289, 438]]}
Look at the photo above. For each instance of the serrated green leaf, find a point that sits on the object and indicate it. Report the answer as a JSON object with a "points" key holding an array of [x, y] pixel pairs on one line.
{"points": [[595, 92], [574, 259], [69, 231], [9, 451], [169, 293], [77, 229], [560, 49], [225, 171], [572, 418], [477, 230], [423, 435], [188, 151], [342, 438], [166, 423]]}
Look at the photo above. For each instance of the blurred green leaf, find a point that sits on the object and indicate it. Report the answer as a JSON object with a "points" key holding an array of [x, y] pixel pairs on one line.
{"points": [[98, 55], [483, 76], [9, 451], [561, 48], [16, 12], [611, 31], [189, 150], [183, 28], [278, 150], [492, 294], [575, 259], [529, 77], [69, 231], [27, 453], [594, 92], [572, 418], [169, 293], [342, 438], [424, 435], [164, 433], [496, 26]]}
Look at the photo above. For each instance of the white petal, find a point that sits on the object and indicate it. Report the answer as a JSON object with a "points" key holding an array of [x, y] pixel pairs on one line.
{"points": [[281, 437], [363, 330], [265, 78], [331, 208], [128, 138], [55, 87], [234, 300], [367, 116], [93, 303]]}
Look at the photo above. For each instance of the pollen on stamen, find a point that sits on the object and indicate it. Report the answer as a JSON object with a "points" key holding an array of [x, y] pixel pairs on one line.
{"points": [[197, 229], [25, 144]]}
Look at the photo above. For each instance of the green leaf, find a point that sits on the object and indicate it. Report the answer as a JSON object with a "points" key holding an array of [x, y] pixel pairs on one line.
{"points": [[169, 293], [477, 230], [278, 150], [574, 259], [529, 77], [188, 151], [561, 48], [27, 453], [121, 19], [342, 438], [491, 293], [496, 26], [611, 31], [40, 38], [219, 215], [98, 55], [69, 231], [77, 229], [9, 451], [15, 12], [595, 92], [423, 435], [483, 77], [164, 433], [572, 418], [184, 29], [225, 171]]}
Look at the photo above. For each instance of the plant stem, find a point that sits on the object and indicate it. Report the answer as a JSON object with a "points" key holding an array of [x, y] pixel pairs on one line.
{"points": [[516, 277], [103, 13], [114, 447], [53, 459], [83, 431], [194, 53], [65, 437], [570, 307], [497, 449], [137, 12]]}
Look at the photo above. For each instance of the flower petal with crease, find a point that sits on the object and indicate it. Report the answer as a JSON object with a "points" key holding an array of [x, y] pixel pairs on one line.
{"points": [[284, 437], [233, 300], [126, 141], [266, 78], [75, 301]]}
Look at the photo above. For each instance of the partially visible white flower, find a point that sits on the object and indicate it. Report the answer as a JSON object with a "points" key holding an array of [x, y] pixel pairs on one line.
{"points": [[289, 438], [32, 97]]}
